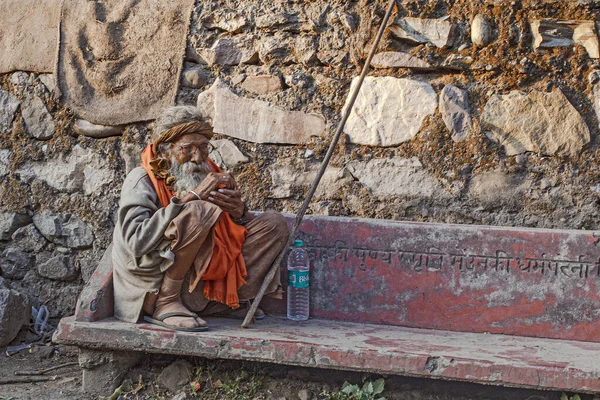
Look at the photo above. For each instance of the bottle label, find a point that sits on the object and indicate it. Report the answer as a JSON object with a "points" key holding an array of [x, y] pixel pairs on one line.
{"points": [[298, 279]]}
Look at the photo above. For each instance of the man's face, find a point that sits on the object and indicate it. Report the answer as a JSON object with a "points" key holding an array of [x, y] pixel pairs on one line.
{"points": [[189, 166], [192, 147]]}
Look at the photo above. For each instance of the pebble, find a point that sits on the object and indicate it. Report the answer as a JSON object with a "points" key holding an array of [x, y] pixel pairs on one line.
{"points": [[304, 394]]}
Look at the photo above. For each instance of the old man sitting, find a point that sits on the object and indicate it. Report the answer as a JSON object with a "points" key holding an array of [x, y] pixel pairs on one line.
{"points": [[185, 243]]}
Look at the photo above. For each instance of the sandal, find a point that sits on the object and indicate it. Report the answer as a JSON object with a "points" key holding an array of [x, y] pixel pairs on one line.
{"points": [[160, 321]]}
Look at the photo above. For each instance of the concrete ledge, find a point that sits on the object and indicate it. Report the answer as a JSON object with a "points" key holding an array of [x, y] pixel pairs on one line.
{"points": [[481, 358]]}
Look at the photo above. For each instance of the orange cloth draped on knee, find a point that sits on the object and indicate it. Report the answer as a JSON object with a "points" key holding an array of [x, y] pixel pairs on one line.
{"points": [[226, 272]]}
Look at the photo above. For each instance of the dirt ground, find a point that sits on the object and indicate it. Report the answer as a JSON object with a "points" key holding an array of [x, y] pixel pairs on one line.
{"points": [[231, 380]]}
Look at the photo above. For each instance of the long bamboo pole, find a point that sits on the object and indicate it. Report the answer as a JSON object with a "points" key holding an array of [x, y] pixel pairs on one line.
{"points": [[332, 146]]}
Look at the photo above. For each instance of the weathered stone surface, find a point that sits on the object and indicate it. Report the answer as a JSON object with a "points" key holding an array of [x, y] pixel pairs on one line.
{"points": [[226, 51], [421, 30], [294, 176], [399, 59], [561, 33], [20, 79], [256, 120], [15, 311], [456, 113], [64, 229], [37, 120], [277, 48], [82, 169], [263, 84], [10, 222], [29, 239], [175, 376], [349, 21], [229, 153], [103, 370], [306, 49], [8, 108], [228, 22], [87, 261], [130, 153], [490, 359], [457, 62], [4, 161], [15, 263], [58, 268], [194, 77], [396, 177], [48, 81], [389, 111], [482, 31], [275, 20], [544, 123], [299, 79], [180, 396], [88, 129], [28, 29], [495, 188], [594, 80]]}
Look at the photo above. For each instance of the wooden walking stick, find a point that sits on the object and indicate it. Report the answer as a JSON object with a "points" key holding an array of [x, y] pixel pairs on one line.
{"points": [[332, 146]]}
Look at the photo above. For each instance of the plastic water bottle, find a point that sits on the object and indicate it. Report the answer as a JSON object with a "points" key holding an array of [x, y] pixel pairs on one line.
{"points": [[298, 283]]}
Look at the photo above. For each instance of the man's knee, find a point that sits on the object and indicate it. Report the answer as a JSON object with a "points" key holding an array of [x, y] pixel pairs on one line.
{"points": [[276, 222]]}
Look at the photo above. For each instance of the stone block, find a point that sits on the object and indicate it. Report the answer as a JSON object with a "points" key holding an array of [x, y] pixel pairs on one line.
{"points": [[549, 33], [83, 169], [8, 108], [545, 123], [396, 177], [512, 281], [256, 120], [389, 111], [490, 359], [226, 21], [263, 84], [59, 268], [226, 52], [230, 155], [423, 30], [4, 161], [176, 376], [103, 371], [194, 77], [37, 119], [10, 222], [399, 59], [29, 239], [15, 311], [456, 112], [482, 31], [64, 229], [16, 263], [294, 176]]}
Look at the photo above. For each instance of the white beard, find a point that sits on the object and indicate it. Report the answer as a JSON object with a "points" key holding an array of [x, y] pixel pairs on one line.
{"points": [[188, 175]]}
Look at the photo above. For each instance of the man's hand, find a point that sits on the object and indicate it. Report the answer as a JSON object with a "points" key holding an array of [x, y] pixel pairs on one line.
{"points": [[209, 184], [229, 200]]}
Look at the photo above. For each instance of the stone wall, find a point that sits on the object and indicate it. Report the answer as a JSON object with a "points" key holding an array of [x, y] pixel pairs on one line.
{"points": [[476, 112]]}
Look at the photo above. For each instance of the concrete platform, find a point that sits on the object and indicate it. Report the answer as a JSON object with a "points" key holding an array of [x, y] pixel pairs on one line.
{"points": [[474, 357]]}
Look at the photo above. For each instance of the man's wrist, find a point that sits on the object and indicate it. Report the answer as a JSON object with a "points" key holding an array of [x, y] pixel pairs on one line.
{"points": [[244, 218]]}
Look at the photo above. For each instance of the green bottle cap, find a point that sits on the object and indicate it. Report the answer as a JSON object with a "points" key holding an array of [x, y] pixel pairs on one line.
{"points": [[298, 243]]}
